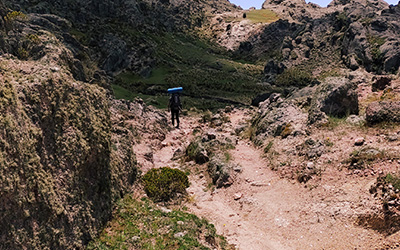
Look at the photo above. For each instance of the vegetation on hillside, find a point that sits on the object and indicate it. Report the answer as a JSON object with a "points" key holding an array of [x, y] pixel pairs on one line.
{"points": [[140, 224], [209, 77]]}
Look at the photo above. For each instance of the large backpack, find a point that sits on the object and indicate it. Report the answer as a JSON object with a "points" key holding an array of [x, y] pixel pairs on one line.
{"points": [[175, 102]]}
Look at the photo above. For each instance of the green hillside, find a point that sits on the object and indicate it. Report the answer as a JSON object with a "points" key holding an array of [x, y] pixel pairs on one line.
{"points": [[210, 78]]}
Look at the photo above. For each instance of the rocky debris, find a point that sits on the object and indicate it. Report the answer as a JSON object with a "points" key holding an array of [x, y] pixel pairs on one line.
{"points": [[196, 151], [387, 190], [295, 11], [392, 137], [334, 97], [140, 119], [260, 98], [384, 111], [359, 141], [311, 149], [306, 173], [209, 135], [272, 69], [240, 128], [356, 120], [381, 83], [359, 159]]}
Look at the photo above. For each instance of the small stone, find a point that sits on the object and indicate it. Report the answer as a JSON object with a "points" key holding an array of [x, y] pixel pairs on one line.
{"points": [[237, 196], [135, 238], [257, 184], [165, 210], [392, 138], [237, 168], [180, 222], [180, 234], [55, 69], [310, 165], [359, 141]]}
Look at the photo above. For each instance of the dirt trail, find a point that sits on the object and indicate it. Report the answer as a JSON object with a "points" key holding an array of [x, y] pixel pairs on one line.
{"points": [[261, 210]]}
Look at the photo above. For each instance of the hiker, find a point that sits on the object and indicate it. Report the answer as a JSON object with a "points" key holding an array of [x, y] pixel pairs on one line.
{"points": [[175, 106]]}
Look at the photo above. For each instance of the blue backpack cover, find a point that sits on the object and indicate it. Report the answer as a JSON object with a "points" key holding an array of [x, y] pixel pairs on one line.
{"points": [[175, 90]]}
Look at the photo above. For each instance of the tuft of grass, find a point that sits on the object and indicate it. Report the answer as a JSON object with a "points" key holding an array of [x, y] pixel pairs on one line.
{"points": [[393, 179], [140, 224], [268, 147]]}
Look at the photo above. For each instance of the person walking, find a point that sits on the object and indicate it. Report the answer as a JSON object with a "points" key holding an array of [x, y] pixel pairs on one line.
{"points": [[175, 107]]}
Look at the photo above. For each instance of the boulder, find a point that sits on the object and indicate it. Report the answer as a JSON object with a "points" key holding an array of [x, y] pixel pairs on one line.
{"points": [[277, 117], [383, 112], [220, 171], [337, 97]]}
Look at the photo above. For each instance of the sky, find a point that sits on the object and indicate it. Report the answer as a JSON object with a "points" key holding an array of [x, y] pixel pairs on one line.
{"points": [[245, 4]]}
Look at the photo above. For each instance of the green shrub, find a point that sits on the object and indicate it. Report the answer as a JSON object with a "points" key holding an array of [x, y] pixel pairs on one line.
{"points": [[15, 15], [163, 184], [394, 180]]}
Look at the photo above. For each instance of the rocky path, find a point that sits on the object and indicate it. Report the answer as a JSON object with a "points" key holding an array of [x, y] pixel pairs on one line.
{"points": [[262, 211]]}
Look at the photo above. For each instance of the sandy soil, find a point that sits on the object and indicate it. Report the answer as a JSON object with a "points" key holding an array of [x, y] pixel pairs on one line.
{"points": [[263, 209]]}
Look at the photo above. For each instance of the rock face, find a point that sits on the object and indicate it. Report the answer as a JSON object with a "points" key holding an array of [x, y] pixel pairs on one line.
{"points": [[66, 148], [383, 112], [307, 33], [334, 97], [278, 118], [113, 30], [221, 172], [288, 117]]}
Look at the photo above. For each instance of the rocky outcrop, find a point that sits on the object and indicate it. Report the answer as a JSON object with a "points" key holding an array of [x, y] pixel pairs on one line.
{"points": [[335, 97], [278, 117], [385, 111], [297, 10], [221, 172]]}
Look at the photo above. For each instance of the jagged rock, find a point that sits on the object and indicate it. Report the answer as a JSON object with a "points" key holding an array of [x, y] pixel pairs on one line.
{"points": [[393, 137], [272, 69], [260, 98], [278, 118], [381, 83], [220, 172], [384, 111], [311, 149], [336, 97]]}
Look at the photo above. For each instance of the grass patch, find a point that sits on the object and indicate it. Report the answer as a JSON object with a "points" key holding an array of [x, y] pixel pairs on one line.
{"points": [[142, 225], [393, 179], [262, 16]]}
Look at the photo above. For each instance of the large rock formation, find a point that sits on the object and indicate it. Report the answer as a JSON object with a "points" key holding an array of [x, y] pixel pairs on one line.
{"points": [[353, 33], [65, 148]]}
